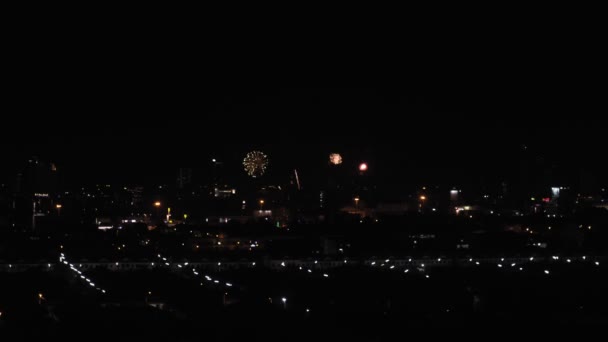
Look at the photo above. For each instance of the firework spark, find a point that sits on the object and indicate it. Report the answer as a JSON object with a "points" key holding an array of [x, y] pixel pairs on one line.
{"points": [[335, 159], [297, 178], [255, 163]]}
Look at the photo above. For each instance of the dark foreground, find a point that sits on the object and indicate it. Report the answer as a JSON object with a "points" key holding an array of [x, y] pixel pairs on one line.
{"points": [[358, 303]]}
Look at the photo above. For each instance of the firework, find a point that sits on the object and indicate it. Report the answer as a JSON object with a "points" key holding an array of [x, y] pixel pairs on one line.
{"points": [[335, 159], [255, 163], [297, 178]]}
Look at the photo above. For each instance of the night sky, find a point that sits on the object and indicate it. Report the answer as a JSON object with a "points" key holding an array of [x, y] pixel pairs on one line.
{"points": [[141, 133]]}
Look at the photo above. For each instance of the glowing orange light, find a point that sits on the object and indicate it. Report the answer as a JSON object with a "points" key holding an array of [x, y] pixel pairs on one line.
{"points": [[422, 198], [58, 206], [363, 167], [157, 204]]}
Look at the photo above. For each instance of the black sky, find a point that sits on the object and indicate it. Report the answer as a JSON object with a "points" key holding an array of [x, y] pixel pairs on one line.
{"points": [[431, 104], [143, 132]]}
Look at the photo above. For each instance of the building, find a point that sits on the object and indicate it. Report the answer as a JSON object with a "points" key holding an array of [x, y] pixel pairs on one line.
{"points": [[36, 193], [5, 207], [223, 192], [184, 178], [135, 196]]}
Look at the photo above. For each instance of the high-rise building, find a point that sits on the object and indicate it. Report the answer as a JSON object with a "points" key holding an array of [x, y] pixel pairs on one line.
{"points": [[135, 196], [37, 177], [5, 207], [454, 200], [184, 178], [36, 192]]}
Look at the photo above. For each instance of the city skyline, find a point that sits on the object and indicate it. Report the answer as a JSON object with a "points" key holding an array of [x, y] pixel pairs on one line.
{"points": [[258, 211]]}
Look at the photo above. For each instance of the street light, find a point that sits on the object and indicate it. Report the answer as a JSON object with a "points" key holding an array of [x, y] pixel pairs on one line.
{"points": [[356, 202], [58, 206], [261, 204], [157, 212]]}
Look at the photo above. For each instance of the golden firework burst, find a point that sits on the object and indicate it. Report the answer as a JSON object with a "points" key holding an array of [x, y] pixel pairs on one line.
{"points": [[255, 163]]}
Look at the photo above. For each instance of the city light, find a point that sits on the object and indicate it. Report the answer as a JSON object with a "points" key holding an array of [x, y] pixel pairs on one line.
{"points": [[346, 265], [62, 259]]}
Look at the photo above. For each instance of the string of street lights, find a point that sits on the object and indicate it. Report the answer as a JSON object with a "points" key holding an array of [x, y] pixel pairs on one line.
{"points": [[78, 273]]}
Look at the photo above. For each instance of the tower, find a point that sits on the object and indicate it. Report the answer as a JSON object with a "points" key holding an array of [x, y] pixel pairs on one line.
{"points": [[184, 178]]}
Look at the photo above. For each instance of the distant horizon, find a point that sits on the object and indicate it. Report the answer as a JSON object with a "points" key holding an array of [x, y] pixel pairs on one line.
{"points": [[405, 136]]}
